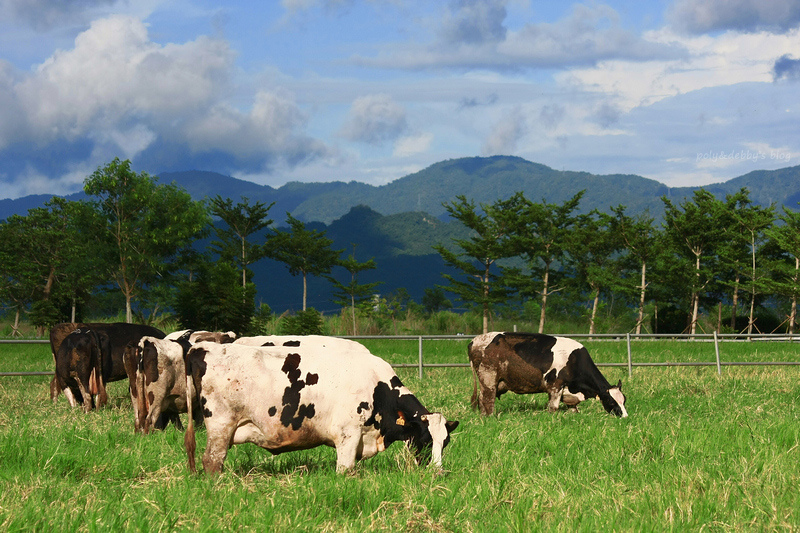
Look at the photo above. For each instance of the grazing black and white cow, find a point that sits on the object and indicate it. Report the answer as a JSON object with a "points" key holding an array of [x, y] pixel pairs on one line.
{"points": [[286, 398], [112, 340], [158, 389], [528, 363]]}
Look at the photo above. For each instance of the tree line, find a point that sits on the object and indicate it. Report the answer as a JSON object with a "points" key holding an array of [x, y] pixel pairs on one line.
{"points": [[707, 253], [140, 239]]}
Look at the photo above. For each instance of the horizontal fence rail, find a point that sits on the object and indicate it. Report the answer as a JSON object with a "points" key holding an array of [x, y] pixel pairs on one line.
{"points": [[421, 365]]}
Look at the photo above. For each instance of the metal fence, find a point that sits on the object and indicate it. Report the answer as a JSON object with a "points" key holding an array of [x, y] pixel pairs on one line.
{"points": [[629, 338]]}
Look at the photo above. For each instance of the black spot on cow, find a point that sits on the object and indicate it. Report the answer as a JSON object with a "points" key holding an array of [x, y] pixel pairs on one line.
{"points": [[292, 344], [268, 343], [551, 376], [293, 412], [272, 410], [396, 383], [206, 410], [363, 406], [291, 367]]}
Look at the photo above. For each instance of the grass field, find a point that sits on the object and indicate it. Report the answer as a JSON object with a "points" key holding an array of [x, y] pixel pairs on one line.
{"points": [[699, 452]]}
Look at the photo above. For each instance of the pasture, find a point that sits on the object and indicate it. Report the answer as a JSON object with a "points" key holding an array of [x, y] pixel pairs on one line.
{"points": [[698, 452]]}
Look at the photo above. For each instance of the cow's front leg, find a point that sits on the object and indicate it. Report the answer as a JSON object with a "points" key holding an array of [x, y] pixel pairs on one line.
{"points": [[347, 451], [487, 380], [555, 399]]}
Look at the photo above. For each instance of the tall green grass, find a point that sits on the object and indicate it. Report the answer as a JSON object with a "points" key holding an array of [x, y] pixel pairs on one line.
{"points": [[698, 452]]}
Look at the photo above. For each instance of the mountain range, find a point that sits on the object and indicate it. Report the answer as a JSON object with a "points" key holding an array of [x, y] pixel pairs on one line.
{"points": [[398, 222]]}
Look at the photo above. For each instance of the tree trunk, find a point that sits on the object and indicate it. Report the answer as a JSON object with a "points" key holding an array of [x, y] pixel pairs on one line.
{"points": [[305, 291], [752, 283], [15, 328], [353, 313], [74, 309], [595, 305], [641, 300], [696, 296], [735, 302], [793, 315], [486, 300], [543, 312]]}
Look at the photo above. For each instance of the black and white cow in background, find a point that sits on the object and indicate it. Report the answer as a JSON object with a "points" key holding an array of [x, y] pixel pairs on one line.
{"points": [[158, 377], [286, 398], [528, 363]]}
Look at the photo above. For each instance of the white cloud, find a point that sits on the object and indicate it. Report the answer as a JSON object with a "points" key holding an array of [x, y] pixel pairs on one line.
{"points": [[588, 34], [701, 16], [412, 145], [115, 73], [506, 133], [725, 60], [375, 119]]}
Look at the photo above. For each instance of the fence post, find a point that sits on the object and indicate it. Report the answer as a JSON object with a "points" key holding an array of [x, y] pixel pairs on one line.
{"points": [[420, 357], [630, 361], [716, 348]]}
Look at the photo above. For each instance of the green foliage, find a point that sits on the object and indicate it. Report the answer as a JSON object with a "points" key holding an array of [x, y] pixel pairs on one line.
{"points": [[241, 221], [215, 300], [308, 322], [44, 314], [304, 251]]}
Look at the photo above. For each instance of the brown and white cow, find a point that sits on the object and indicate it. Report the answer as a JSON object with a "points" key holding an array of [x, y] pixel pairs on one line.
{"points": [[286, 398], [112, 340], [158, 387], [527, 363]]}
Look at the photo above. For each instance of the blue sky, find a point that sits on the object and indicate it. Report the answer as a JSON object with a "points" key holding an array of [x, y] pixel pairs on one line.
{"points": [[683, 92]]}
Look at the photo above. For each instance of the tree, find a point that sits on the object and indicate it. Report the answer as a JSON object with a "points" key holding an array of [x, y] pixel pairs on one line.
{"points": [[641, 239], [144, 226], [214, 300], [592, 249], [242, 220], [542, 232], [479, 253], [353, 292], [306, 252], [18, 277], [786, 238], [695, 227], [752, 221], [434, 300]]}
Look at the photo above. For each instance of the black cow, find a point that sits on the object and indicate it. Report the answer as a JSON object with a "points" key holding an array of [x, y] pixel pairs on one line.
{"points": [[112, 340], [528, 363]]}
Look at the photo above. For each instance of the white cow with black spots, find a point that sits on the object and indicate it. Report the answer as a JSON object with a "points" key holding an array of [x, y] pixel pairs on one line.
{"points": [[528, 363], [300, 396]]}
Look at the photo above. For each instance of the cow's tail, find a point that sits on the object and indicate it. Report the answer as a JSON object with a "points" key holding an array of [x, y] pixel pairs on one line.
{"points": [[189, 441], [141, 393], [474, 400], [96, 383]]}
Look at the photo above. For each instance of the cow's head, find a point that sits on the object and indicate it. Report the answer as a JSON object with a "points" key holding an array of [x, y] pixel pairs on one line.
{"points": [[614, 400], [430, 433]]}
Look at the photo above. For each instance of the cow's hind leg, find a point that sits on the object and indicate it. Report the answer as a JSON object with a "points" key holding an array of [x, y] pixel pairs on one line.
{"points": [[487, 379], [220, 437]]}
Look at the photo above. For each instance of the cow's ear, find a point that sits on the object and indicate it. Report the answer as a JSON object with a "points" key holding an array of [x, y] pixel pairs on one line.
{"points": [[451, 425], [619, 384]]}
